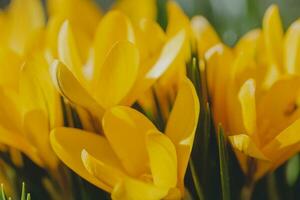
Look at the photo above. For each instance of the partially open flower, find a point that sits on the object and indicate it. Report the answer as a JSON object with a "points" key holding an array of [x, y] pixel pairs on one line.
{"points": [[125, 61], [255, 94], [134, 160]]}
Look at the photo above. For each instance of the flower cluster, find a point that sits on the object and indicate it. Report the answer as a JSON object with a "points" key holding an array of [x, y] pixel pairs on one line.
{"points": [[110, 95]]}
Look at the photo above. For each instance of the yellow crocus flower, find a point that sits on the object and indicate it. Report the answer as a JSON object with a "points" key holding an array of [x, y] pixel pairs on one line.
{"points": [[138, 50], [29, 105], [29, 113], [254, 90], [83, 15], [134, 160], [200, 37], [18, 37]]}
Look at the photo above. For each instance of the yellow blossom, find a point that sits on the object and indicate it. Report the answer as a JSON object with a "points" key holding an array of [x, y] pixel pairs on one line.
{"points": [[200, 37], [29, 105], [255, 94], [134, 160], [29, 113], [141, 51]]}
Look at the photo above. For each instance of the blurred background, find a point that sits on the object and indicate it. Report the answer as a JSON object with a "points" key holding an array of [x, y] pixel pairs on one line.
{"points": [[232, 18]]}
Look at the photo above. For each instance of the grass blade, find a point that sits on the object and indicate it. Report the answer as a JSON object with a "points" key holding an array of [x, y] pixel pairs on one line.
{"points": [[223, 159]]}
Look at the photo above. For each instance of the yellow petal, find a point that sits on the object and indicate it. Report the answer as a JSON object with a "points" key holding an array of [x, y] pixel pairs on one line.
{"points": [[287, 137], [204, 33], [248, 105], [118, 74], [52, 32], [182, 124], [246, 145], [278, 108], [84, 14], [68, 51], [166, 57], [163, 159], [219, 61], [36, 129], [37, 90], [273, 36], [10, 109], [150, 39], [22, 31], [106, 169], [71, 89], [68, 144], [10, 64], [114, 27], [126, 129], [249, 42], [137, 10], [292, 48], [133, 189], [18, 141], [31, 93], [177, 21]]}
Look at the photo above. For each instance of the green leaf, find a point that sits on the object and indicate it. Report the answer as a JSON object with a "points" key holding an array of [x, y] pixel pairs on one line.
{"points": [[196, 181], [2, 196], [292, 170], [223, 159], [162, 17], [23, 192]]}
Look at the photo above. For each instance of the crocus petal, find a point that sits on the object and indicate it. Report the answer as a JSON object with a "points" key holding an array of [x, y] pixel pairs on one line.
{"points": [[37, 90], [182, 124], [22, 31], [133, 189], [114, 27], [112, 85], [292, 48], [68, 51], [73, 10], [68, 144], [18, 141], [287, 137], [71, 89], [249, 43], [36, 129], [273, 36], [104, 168], [123, 125], [204, 33], [10, 64], [137, 10], [31, 93], [150, 39], [219, 58], [248, 105], [10, 108], [51, 37], [278, 108], [163, 159], [177, 21], [166, 57], [246, 145]]}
